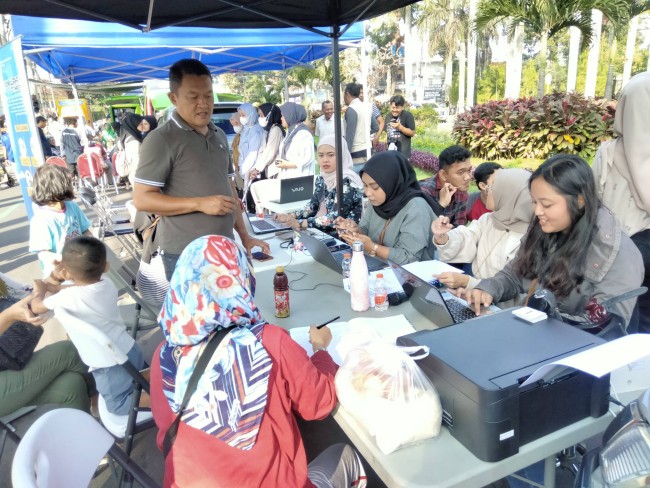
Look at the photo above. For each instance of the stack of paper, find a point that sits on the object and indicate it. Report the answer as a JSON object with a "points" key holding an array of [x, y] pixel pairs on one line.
{"points": [[386, 328]]}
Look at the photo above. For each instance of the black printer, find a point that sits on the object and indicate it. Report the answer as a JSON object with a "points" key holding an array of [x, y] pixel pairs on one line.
{"points": [[478, 366]]}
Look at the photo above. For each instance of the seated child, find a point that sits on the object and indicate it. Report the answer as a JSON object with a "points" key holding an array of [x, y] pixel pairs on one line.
{"points": [[91, 302], [57, 218]]}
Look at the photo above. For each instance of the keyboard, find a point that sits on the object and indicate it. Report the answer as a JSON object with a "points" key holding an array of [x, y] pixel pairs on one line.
{"points": [[264, 225], [459, 312]]}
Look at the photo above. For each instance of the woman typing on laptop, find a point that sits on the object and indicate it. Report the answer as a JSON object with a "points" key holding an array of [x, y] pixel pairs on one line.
{"points": [[397, 224], [322, 210], [574, 248]]}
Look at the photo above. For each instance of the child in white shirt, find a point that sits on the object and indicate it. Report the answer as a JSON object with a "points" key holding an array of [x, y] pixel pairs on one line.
{"points": [[91, 302]]}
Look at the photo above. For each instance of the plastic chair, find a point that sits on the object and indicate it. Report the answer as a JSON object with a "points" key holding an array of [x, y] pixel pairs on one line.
{"points": [[64, 448], [89, 165], [56, 161], [97, 348], [265, 190]]}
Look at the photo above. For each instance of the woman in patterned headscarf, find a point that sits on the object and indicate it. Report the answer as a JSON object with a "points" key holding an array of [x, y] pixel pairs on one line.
{"points": [[239, 425]]}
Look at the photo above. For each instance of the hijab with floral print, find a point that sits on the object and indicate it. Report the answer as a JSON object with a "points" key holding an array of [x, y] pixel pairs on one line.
{"points": [[212, 288]]}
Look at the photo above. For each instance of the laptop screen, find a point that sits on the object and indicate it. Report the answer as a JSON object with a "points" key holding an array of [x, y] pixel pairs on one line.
{"points": [[296, 189]]}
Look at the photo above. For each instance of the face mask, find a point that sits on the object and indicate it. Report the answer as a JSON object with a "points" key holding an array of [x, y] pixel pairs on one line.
{"points": [[263, 122], [243, 120], [238, 128]]}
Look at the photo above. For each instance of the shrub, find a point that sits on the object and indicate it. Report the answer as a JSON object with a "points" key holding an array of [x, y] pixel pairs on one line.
{"points": [[419, 159], [535, 128]]}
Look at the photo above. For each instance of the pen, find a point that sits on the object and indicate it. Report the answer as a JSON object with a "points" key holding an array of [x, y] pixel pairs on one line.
{"points": [[328, 322]]}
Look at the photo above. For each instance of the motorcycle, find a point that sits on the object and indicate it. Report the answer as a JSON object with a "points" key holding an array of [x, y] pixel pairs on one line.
{"points": [[623, 460], [6, 167]]}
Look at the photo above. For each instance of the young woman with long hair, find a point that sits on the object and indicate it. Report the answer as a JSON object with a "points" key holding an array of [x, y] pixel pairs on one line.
{"points": [[575, 248]]}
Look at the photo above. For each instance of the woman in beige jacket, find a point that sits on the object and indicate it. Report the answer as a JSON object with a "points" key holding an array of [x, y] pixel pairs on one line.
{"points": [[491, 241]]}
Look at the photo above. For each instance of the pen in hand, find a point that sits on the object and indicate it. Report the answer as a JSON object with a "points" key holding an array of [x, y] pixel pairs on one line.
{"points": [[328, 322]]}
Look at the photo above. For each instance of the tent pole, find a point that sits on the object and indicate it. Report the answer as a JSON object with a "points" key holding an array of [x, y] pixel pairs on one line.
{"points": [[82, 118], [285, 81], [338, 132]]}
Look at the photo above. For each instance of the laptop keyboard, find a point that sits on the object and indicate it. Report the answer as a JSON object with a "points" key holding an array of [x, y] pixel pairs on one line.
{"points": [[263, 225], [458, 311]]}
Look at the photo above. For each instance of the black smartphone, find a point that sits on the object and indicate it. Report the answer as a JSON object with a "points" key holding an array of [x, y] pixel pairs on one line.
{"points": [[339, 247], [260, 256]]}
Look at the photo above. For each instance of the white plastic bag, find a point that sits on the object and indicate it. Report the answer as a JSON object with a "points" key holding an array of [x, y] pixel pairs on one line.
{"points": [[382, 386]]}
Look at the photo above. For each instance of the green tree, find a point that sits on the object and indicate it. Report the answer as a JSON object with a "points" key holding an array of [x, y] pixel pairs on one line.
{"points": [[545, 18]]}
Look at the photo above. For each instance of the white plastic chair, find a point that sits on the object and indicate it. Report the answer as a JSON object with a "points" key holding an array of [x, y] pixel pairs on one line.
{"points": [[96, 349], [266, 191], [64, 448]]}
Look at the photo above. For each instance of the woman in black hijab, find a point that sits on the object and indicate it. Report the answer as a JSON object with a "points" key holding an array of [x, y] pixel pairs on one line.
{"points": [[150, 123], [397, 223], [131, 129]]}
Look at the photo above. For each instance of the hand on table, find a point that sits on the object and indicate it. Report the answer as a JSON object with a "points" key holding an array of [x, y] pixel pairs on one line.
{"points": [[250, 242]]}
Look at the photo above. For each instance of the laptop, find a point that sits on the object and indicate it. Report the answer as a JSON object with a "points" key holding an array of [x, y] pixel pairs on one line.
{"points": [[266, 225], [431, 300], [332, 255], [295, 189]]}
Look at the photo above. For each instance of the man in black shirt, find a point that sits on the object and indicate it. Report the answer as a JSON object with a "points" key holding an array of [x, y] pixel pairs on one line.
{"points": [[400, 127], [41, 123]]}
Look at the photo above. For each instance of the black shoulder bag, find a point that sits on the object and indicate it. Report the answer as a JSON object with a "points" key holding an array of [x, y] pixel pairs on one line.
{"points": [[199, 369], [18, 342]]}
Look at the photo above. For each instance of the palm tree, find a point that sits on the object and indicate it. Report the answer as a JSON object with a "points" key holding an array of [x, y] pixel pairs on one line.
{"points": [[446, 21], [637, 7], [545, 18]]}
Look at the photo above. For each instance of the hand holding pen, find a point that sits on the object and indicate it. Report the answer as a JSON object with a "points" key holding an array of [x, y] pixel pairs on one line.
{"points": [[320, 336]]}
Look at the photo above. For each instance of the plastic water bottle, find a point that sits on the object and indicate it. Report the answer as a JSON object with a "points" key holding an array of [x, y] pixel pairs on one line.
{"points": [[281, 292], [381, 295], [259, 210], [345, 264], [359, 296]]}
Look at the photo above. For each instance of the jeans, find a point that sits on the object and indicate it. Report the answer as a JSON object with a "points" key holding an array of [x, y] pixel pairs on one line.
{"points": [[55, 374], [642, 241], [169, 261]]}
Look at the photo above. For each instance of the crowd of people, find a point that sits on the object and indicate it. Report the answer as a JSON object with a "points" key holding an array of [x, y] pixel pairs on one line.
{"points": [[576, 233]]}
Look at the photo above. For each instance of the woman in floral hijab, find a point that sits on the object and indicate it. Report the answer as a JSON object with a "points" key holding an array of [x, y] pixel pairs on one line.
{"points": [[239, 426]]}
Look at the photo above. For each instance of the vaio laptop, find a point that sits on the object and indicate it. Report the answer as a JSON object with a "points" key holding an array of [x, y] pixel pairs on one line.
{"points": [[332, 255], [266, 225], [295, 189], [439, 306]]}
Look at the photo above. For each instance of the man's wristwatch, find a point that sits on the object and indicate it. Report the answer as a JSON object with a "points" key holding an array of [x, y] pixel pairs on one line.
{"points": [[320, 349], [373, 253]]}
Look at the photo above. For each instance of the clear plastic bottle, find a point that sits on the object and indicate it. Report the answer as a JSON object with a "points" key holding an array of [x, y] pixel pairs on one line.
{"points": [[345, 264], [381, 294], [259, 210], [281, 292], [359, 296]]}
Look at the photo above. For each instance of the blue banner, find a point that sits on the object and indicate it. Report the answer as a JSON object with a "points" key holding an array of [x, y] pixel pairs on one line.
{"points": [[20, 120]]}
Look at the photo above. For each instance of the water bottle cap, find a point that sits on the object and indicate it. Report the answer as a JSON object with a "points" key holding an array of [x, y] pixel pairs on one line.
{"points": [[347, 255], [380, 275], [279, 269], [357, 246]]}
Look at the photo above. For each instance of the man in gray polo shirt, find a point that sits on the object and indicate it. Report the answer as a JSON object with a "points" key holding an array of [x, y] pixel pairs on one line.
{"points": [[185, 170]]}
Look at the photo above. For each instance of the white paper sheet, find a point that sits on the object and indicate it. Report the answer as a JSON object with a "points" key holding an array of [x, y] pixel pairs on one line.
{"points": [[388, 328], [603, 359], [426, 269]]}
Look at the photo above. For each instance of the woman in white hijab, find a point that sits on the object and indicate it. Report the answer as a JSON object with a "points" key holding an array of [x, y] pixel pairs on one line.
{"points": [[622, 172], [492, 240], [322, 210], [297, 148], [250, 140]]}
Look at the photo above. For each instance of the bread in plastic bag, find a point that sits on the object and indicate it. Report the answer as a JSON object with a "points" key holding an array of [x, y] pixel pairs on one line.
{"points": [[386, 391]]}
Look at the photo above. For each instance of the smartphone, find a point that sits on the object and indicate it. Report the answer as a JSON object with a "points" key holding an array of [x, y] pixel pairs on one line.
{"points": [[260, 256], [339, 247]]}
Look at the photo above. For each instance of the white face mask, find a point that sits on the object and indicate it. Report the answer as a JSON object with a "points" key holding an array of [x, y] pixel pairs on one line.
{"points": [[238, 128], [244, 120], [263, 122]]}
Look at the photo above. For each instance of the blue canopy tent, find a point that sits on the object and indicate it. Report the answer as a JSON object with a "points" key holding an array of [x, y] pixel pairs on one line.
{"points": [[78, 51]]}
